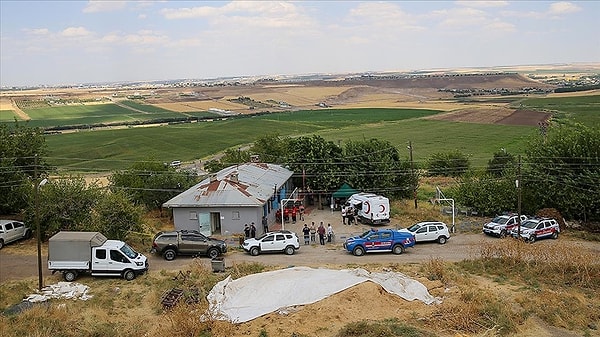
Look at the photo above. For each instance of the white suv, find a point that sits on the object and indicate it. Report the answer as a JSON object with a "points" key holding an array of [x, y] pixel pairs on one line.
{"points": [[13, 230], [277, 241], [537, 228], [429, 231], [502, 225]]}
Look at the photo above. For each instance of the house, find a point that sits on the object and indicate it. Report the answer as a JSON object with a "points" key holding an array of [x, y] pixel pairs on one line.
{"points": [[237, 195]]}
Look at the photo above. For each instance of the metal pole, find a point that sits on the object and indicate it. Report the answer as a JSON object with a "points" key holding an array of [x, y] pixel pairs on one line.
{"points": [[37, 224], [518, 183], [412, 171]]}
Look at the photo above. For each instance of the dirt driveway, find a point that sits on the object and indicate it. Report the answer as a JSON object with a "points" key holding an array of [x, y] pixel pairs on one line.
{"points": [[19, 260]]}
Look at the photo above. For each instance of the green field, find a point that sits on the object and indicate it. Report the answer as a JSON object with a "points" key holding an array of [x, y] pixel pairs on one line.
{"points": [[8, 116], [117, 149], [580, 109], [107, 150]]}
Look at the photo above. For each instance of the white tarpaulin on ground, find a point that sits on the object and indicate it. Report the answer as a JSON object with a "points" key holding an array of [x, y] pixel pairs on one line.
{"points": [[61, 290], [254, 295]]}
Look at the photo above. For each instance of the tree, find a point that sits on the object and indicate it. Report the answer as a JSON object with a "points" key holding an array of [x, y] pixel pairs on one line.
{"points": [[374, 165], [19, 147], [65, 204], [563, 172], [502, 162], [315, 161], [451, 164], [486, 193], [151, 183], [116, 216]]}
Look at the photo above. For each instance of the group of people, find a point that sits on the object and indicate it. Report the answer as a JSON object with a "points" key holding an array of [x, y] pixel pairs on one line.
{"points": [[292, 212], [348, 214], [311, 232], [250, 231]]}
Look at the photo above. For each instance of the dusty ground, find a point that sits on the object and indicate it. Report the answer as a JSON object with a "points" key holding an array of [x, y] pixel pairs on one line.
{"points": [[366, 301]]}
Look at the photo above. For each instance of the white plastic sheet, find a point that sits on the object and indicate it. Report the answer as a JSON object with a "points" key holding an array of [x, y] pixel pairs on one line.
{"points": [[61, 290], [254, 295]]}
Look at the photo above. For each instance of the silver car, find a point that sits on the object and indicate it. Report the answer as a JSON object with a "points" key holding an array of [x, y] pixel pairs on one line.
{"points": [[13, 230]]}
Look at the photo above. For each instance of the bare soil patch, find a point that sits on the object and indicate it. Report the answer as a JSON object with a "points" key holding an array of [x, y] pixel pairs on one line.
{"points": [[494, 115]]}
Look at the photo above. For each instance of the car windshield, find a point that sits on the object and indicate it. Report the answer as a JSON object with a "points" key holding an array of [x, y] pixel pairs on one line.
{"points": [[129, 251], [262, 236], [365, 234], [500, 220], [529, 224], [414, 227]]}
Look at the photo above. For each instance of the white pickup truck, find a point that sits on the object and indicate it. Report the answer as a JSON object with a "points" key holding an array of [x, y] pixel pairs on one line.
{"points": [[73, 253]]}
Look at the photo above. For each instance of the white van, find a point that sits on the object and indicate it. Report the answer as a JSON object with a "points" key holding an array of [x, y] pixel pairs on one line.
{"points": [[370, 208]]}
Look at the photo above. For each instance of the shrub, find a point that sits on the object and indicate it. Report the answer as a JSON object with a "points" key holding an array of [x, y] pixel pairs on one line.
{"points": [[452, 164]]}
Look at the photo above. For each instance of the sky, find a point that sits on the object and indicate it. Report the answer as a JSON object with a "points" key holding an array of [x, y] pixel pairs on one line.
{"points": [[78, 42]]}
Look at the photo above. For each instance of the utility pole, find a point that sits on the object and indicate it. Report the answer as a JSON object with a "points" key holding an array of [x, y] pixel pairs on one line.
{"points": [[38, 231], [518, 184], [412, 171]]}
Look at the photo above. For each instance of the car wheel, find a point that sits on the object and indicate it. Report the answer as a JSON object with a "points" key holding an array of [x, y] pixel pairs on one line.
{"points": [[70, 276], [398, 249], [441, 240], [128, 275], [254, 251], [358, 251], [289, 250], [532, 239], [503, 234], [27, 235], [1, 244], [213, 252], [169, 254], [555, 235]]}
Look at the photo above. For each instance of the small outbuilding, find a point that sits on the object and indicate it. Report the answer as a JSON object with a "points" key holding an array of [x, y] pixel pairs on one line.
{"points": [[227, 200]]}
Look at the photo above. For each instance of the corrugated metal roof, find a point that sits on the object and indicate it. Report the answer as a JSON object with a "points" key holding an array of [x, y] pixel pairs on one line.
{"points": [[249, 184]]}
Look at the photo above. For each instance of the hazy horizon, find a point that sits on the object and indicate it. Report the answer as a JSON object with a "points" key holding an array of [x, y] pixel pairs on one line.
{"points": [[53, 43]]}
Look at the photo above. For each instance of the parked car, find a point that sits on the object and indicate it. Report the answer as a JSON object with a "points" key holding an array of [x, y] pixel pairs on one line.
{"points": [[380, 240], [183, 242], [537, 228], [276, 241], [13, 230], [429, 231], [502, 225]]}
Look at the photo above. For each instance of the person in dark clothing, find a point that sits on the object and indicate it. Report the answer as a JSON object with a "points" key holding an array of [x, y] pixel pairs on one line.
{"points": [[246, 231], [252, 230], [265, 225], [321, 231], [306, 232]]}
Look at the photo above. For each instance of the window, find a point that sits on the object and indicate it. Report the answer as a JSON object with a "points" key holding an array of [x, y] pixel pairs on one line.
{"points": [[18, 224], [101, 254], [440, 227], [8, 226], [432, 228], [268, 238], [386, 236], [422, 230], [235, 215], [193, 215], [115, 255], [280, 237]]}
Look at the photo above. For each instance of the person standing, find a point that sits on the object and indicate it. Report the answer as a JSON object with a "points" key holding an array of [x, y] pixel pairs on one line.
{"points": [[252, 230], [264, 224], [344, 215], [294, 212], [313, 232], [321, 231], [301, 210], [329, 232], [246, 231], [306, 232]]}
